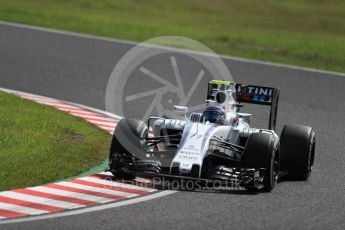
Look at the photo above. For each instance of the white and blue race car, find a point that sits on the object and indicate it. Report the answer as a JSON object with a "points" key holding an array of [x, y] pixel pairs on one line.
{"points": [[217, 145]]}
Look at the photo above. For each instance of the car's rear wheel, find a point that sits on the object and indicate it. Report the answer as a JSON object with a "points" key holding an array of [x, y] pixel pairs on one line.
{"points": [[127, 145], [297, 147], [261, 152]]}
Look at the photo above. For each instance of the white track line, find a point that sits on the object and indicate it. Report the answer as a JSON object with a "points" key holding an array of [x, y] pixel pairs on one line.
{"points": [[126, 42], [91, 209]]}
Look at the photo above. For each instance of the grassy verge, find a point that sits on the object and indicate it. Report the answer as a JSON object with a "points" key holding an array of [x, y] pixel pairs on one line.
{"points": [[39, 144], [301, 32]]}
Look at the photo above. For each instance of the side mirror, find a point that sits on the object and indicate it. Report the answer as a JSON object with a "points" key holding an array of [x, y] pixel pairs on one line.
{"points": [[181, 109]]}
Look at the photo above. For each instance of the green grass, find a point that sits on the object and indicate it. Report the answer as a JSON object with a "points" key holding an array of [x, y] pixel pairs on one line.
{"points": [[39, 144], [302, 32]]}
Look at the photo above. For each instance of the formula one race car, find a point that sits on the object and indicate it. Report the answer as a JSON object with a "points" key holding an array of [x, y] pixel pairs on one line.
{"points": [[216, 145]]}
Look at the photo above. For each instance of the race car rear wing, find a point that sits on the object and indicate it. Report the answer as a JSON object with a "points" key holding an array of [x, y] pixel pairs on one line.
{"points": [[251, 94]]}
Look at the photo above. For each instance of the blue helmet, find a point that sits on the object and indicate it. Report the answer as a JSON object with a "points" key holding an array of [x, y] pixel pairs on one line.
{"points": [[215, 114]]}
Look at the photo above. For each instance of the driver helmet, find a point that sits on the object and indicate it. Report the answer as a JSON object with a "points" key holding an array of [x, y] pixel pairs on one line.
{"points": [[215, 114]]}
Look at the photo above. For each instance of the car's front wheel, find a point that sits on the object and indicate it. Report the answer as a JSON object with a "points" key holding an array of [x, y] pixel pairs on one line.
{"points": [[127, 145], [261, 152]]}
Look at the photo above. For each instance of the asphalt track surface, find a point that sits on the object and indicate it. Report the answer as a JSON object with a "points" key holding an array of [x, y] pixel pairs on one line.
{"points": [[77, 69]]}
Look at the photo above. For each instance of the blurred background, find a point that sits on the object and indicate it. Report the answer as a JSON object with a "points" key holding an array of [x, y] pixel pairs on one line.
{"points": [[301, 32]]}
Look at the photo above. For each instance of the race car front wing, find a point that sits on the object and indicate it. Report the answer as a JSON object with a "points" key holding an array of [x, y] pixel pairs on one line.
{"points": [[225, 178]]}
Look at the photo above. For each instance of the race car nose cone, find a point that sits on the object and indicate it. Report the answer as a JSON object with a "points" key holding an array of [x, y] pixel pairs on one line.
{"points": [[185, 168]]}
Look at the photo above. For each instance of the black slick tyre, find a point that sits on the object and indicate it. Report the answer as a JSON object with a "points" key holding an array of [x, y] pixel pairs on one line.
{"points": [[261, 152], [297, 148], [126, 146]]}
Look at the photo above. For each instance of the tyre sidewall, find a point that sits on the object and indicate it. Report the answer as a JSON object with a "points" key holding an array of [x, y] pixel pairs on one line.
{"points": [[260, 152], [297, 151]]}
